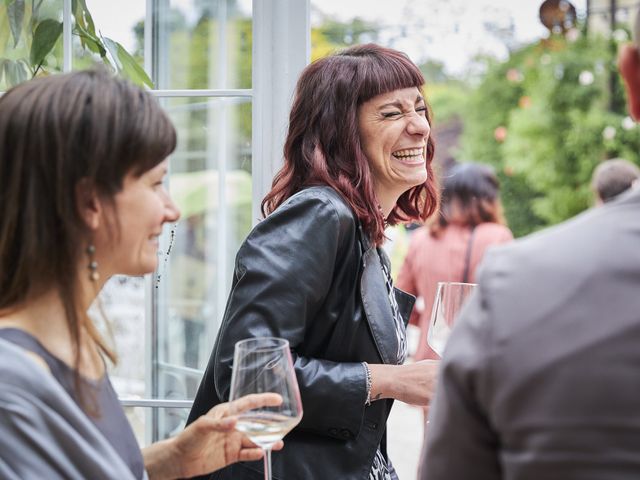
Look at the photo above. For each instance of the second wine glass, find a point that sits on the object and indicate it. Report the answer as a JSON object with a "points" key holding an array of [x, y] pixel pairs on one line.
{"points": [[450, 297], [262, 365]]}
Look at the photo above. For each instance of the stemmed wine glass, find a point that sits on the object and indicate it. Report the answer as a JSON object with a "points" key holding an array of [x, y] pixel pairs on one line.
{"points": [[262, 365], [450, 297]]}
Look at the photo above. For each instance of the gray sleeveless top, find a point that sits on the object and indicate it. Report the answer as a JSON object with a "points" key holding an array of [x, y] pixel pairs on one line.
{"points": [[110, 421]]}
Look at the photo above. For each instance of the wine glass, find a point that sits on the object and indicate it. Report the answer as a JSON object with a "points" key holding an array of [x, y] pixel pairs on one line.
{"points": [[450, 297], [262, 365]]}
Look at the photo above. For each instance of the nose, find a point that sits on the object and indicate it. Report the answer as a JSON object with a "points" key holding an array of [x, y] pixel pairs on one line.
{"points": [[172, 212], [419, 125]]}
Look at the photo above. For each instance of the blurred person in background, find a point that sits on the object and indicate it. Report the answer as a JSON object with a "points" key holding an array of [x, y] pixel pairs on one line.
{"points": [[612, 177], [83, 158], [450, 248]]}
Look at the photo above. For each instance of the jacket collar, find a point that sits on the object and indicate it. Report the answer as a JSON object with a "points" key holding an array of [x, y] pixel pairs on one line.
{"points": [[375, 300]]}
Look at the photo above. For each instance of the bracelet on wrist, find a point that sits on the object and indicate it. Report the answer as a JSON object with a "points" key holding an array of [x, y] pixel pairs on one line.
{"points": [[368, 384]]}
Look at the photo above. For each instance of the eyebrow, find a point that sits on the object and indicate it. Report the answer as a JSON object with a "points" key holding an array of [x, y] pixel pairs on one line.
{"points": [[398, 105]]}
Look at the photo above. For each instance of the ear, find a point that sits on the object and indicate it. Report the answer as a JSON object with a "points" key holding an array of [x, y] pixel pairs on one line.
{"points": [[88, 203]]}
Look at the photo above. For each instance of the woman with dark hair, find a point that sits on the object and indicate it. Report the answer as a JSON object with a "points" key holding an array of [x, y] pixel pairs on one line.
{"points": [[356, 158], [82, 162], [450, 248]]}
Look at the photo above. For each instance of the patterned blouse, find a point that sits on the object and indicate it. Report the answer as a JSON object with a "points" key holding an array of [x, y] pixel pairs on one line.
{"points": [[381, 469]]}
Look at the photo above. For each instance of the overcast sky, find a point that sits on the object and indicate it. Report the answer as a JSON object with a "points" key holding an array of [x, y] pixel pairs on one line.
{"points": [[451, 31]]}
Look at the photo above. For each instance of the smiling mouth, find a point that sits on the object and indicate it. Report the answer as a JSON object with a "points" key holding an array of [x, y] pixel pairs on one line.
{"points": [[411, 156]]}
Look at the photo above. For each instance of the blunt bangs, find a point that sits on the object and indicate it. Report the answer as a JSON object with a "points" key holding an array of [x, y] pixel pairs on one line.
{"points": [[380, 70]]}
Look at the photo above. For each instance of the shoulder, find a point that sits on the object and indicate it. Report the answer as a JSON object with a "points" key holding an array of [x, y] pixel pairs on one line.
{"points": [[420, 237], [493, 232], [21, 370], [321, 198], [579, 246], [314, 209]]}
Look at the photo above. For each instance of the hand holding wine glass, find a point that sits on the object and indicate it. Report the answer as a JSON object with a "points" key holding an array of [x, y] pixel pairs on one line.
{"points": [[263, 365], [210, 443], [450, 298]]}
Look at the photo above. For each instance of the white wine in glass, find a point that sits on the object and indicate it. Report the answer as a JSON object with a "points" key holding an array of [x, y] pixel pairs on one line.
{"points": [[450, 297], [262, 365]]}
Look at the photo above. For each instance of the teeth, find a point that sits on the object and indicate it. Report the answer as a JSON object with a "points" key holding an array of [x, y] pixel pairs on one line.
{"points": [[414, 152]]}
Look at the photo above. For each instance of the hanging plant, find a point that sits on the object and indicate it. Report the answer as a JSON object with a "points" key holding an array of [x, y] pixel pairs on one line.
{"points": [[25, 24]]}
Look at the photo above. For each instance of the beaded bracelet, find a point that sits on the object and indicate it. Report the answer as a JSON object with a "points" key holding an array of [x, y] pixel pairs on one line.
{"points": [[368, 380]]}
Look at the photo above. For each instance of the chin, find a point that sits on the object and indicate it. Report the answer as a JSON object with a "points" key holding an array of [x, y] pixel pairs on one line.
{"points": [[142, 269], [418, 179]]}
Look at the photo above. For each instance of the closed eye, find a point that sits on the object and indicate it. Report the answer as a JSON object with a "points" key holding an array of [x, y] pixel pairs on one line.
{"points": [[391, 114]]}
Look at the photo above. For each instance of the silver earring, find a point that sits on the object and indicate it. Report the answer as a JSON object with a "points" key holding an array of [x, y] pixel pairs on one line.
{"points": [[94, 276]]}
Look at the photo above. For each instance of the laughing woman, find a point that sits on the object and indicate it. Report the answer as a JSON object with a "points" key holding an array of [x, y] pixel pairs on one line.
{"points": [[82, 161], [357, 157]]}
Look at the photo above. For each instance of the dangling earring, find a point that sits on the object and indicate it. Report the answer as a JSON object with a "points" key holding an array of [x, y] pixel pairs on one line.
{"points": [[94, 276]]}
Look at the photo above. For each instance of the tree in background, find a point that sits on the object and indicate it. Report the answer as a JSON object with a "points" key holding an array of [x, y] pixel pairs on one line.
{"points": [[542, 119], [331, 35]]}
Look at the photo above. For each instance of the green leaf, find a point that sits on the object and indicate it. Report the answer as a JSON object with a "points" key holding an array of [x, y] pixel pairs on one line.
{"points": [[10, 73], [126, 64], [83, 17], [112, 48], [22, 71], [15, 12], [35, 7], [5, 31], [90, 41], [44, 39], [132, 69]]}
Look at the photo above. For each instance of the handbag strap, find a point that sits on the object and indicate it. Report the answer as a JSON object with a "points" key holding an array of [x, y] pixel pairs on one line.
{"points": [[467, 258]]}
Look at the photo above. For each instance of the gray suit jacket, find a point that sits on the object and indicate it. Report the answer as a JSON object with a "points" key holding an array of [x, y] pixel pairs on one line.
{"points": [[541, 377]]}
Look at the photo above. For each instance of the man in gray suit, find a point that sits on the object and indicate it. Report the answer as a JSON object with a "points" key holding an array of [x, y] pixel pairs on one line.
{"points": [[541, 377]]}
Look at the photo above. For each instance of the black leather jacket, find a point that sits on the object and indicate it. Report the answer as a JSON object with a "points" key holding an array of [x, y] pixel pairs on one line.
{"points": [[307, 273]]}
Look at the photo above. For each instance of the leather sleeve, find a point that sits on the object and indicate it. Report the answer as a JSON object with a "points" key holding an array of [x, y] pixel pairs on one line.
{"points": [[284, 271]]}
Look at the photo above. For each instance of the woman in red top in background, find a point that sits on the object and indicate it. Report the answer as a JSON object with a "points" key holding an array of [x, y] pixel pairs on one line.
{"points": [[450, 249]]}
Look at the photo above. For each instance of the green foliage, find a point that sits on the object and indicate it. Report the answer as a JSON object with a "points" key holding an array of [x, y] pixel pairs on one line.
{"points": [[553, 101], [44, 39], [446, 100], [332, 35], [30, 38]]}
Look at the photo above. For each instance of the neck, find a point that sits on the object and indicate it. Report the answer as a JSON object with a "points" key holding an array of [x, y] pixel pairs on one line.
{"points": [[45, 318], [386, 200]]}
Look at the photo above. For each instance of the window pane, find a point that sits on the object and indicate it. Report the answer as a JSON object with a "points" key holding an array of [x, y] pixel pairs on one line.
{"points": [[125, 28], [203, 44], [121, 304], [211, 183], [18, 22], [171, 420]]}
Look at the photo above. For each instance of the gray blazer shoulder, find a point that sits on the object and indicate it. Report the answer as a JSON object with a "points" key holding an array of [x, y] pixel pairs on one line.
{"points": [[579, 248]]}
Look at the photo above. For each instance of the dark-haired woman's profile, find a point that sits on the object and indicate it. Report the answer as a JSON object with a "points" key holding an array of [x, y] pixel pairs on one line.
{"points": [[82, 161]]}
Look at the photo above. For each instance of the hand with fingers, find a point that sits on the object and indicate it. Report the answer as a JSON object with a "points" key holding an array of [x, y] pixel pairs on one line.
{"points": [[209, 443]]}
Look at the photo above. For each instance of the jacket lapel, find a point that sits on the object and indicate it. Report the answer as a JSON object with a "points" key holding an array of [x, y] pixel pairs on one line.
{"points": [[404, 300], [375, 301]]}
